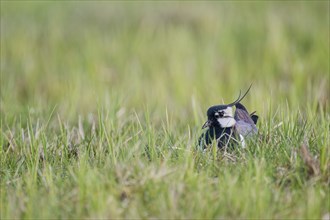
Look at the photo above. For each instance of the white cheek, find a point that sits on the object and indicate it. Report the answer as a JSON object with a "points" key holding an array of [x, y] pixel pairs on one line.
{"points": [[229, 111], [226, 122]]}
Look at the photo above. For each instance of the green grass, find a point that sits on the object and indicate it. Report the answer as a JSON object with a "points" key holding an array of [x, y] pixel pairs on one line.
{"points": [[102, 104]]}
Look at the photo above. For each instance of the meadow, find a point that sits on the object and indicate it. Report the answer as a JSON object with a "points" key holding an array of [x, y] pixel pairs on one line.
{"points": [[102, 104]]}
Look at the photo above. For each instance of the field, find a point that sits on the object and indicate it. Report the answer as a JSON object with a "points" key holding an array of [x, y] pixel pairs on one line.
{"points": [[102, 104]]}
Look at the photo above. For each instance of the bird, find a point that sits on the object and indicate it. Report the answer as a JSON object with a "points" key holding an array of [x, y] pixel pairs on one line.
{"points": [[226, 128]]}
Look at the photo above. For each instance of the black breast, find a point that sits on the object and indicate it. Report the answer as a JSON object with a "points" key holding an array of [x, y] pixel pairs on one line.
{"points": [[215, 133]]}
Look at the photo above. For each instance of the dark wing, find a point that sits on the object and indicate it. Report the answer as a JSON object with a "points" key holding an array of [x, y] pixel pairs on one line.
{"points": [[245, 124], [254, 118], [245, 129], [241, 114]]}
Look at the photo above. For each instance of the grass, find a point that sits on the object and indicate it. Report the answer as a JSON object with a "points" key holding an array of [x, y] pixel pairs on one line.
{"points": [[102, 105]]}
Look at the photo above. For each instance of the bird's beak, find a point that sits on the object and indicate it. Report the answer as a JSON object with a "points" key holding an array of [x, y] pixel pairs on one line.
{"points": [[207, 124]]}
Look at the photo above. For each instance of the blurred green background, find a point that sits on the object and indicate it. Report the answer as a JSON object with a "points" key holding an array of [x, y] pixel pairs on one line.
{"points": [[102, 103], [80, 56]]}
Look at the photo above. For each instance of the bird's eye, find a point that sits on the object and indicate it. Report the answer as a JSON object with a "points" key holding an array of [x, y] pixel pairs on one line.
{"points": [[219, 114]]}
